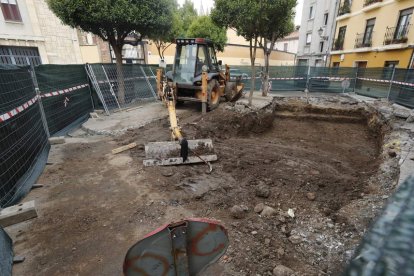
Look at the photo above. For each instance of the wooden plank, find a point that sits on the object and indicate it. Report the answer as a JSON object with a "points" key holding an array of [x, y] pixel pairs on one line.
{"points": [[17, 213], [124, 148]]}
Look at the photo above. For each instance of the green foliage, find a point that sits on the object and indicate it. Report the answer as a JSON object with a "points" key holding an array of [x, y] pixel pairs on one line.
{"points": [[114, 20], [187, 14], [204, 27], [269, 19]]}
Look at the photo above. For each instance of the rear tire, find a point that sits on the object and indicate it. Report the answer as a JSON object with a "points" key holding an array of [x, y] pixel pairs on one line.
{"points": [[213, 94]]}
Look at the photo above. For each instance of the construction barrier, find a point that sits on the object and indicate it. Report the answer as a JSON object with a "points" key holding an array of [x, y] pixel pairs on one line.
{"points": [[6, 253], [66, 95], [119, 90], [387, 248], [23, 140]]}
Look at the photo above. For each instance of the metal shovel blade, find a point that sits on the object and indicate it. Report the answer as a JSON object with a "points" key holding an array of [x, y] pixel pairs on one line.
{"points": [[168, 153]]}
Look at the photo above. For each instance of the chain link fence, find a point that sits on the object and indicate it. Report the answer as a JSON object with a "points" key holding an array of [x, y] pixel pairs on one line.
{"points": [[119, 90]]}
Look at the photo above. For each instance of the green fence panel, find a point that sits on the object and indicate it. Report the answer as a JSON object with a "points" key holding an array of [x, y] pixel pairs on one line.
{"points": [[65, 95]]}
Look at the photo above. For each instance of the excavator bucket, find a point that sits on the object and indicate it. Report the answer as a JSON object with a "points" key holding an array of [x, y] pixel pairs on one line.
{"points": [[171, 153], [233, 91]]}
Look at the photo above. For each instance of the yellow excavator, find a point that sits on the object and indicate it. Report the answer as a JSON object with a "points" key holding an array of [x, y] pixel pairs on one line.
{"points": [[196, 77]]}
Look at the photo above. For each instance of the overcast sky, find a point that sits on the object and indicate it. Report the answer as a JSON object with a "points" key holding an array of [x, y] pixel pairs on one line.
{"points": [[208, 4]]}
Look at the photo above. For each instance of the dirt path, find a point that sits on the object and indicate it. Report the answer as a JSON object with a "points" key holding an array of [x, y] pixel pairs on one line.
{"points": [[97, 205]]}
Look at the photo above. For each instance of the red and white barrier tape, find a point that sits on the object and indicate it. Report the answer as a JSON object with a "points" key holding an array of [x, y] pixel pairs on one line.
{"points": [[388, 81], [64, 91], [8, 115]]}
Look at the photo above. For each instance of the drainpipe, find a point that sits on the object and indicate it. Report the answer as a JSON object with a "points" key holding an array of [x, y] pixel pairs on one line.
{"points": [[411, 65], [333, 33]]}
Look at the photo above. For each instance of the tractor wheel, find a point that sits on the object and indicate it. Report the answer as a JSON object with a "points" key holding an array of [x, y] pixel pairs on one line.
{"points": [[213, 94]]}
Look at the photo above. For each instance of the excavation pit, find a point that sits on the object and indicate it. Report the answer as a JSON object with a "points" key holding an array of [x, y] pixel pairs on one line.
{"points": [[315, 169]]}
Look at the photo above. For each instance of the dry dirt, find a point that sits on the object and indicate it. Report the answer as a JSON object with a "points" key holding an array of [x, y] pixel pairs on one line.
{"points": [[324, 165]]}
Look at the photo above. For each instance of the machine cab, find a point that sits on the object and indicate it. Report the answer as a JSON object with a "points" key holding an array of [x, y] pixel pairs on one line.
{"points": [[191, 56]]}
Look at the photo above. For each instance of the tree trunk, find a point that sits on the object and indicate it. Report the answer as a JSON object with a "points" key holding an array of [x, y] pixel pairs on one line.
{"points": [[253, 49], [265, 78], [120, 74]]}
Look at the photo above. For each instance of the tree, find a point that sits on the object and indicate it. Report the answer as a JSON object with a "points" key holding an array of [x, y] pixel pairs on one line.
{"points": [[187, 14], [260, 22], [164, 37], [242, 16], [114, 20], [276, 22], [204, 27], [182, 18]]}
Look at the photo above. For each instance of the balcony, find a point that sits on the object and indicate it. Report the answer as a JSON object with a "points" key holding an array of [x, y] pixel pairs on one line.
{"points": [[344, 8], [363, 40], [370, 2], [396, 35], [338, 44]]}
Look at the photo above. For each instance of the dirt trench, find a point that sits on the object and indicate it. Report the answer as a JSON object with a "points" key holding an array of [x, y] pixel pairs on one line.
{"points": [[322, 164]]}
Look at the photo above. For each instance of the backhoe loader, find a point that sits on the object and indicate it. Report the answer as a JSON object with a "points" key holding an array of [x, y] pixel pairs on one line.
{"points": [[197, 77]]}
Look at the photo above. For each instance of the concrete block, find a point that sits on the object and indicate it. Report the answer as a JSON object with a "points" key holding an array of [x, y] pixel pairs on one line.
{"points": [[57, 140], [18, 213], [94, 115]]}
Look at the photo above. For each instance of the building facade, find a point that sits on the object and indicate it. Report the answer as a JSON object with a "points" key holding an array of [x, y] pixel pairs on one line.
{"points": [[316, 32], [374, 33], [289, 43], [31, 34]]}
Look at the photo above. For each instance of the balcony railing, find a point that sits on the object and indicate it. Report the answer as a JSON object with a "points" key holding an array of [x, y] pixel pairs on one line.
{"points": [[396, 35], [344, 8], [363, 40], [338, 44], [370, 2]]}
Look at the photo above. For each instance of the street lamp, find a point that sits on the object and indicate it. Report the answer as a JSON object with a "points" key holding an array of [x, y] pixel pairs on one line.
{"points": [[320, 32]]}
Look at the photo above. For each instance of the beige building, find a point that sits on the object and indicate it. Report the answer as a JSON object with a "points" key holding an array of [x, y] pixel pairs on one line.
{"points": [[236, 52], [374, 33], [31, 33]]}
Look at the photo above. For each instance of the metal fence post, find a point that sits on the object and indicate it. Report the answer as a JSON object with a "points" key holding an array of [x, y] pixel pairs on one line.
{"points": [[356, 79], [111, 88], [308, 77], [391, 81], [94, 81], [39, 99], [148, 82]]}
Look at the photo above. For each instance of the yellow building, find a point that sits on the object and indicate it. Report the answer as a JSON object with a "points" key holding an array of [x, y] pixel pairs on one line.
{"points": [[374, 33], [236, 52]]}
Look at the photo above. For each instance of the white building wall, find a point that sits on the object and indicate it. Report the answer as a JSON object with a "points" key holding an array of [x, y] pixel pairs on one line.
{"points": [[57, 43], [312, 53], [292, 45]]}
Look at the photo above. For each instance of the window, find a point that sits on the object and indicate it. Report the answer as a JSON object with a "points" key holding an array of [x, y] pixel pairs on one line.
{"points": [[336, 64], [10, 10], [302, 62], [285, 47], [325, 19], [391, 63], [339, 42], [403, 24], [311, 13], [308, 39], [367, 41], [19, 55], [321, 46]]}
